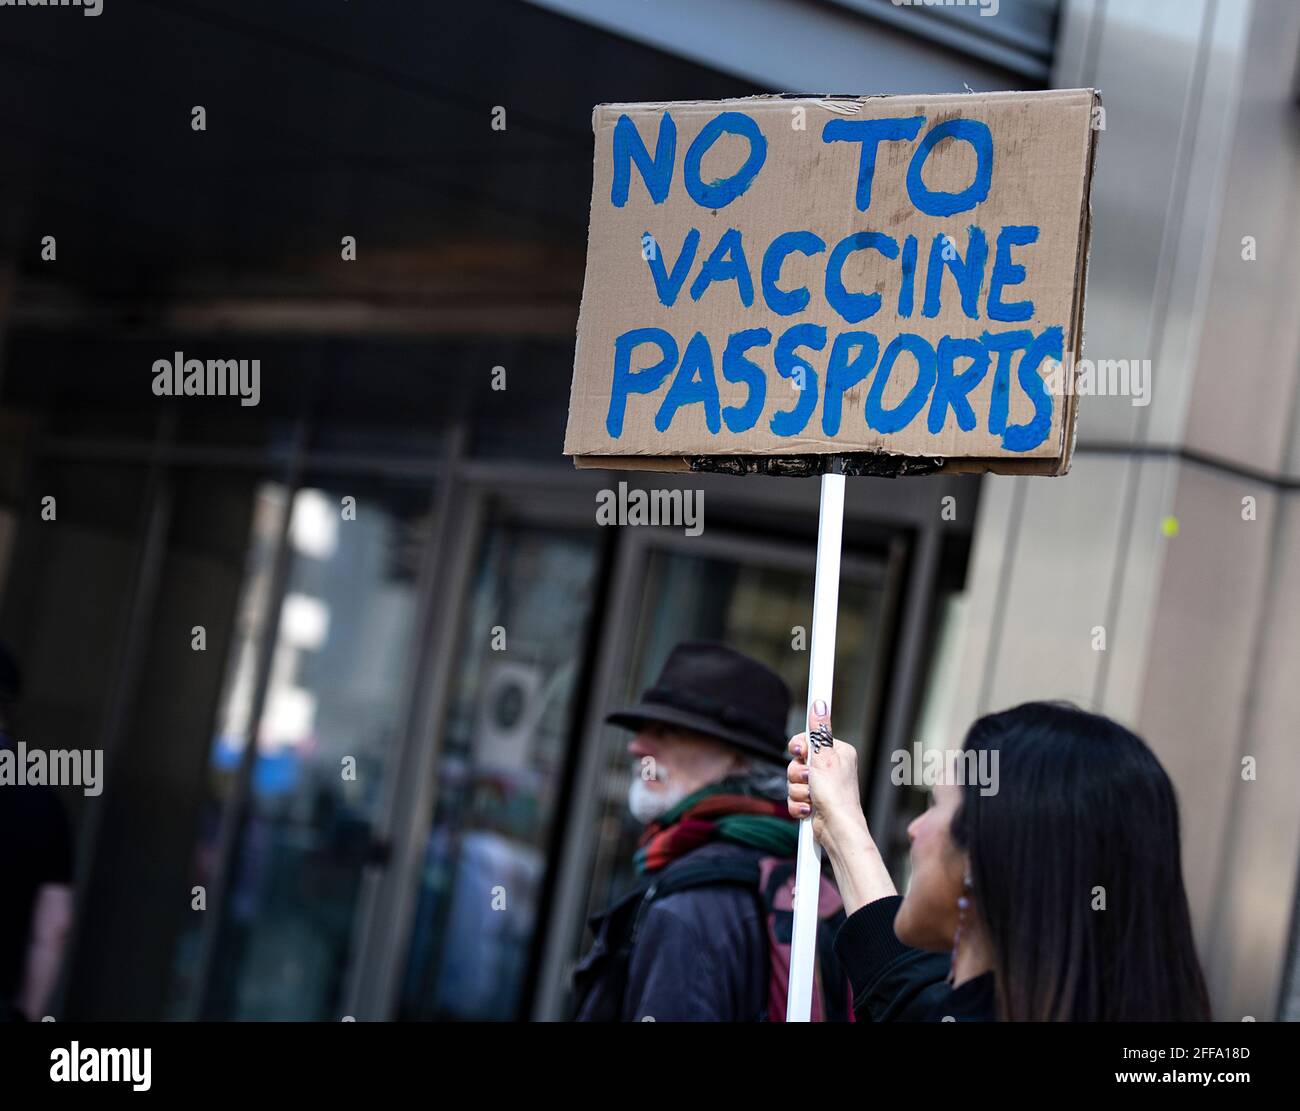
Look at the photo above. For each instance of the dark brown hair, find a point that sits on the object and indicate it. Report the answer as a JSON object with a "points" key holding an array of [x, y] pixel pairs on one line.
{"points": [[1083, 813]]}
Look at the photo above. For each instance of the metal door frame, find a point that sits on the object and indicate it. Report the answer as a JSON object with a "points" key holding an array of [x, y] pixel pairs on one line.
{"points": [[474, 494]]}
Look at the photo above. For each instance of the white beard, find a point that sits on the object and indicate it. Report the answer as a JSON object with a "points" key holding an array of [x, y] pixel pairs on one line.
{"points": [[646, 803]]}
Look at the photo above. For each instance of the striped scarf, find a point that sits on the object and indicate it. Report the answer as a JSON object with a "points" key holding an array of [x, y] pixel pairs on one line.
{"points": [[736, 809]]}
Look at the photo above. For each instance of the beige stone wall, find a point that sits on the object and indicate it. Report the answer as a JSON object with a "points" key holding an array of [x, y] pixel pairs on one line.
{"points": [[1202, 624]]}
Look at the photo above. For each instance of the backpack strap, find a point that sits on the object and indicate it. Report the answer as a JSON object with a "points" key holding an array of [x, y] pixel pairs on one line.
{"points": [[708, 873], [732, 870]]}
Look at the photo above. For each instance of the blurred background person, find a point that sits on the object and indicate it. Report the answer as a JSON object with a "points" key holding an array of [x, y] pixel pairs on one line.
{"points": [[35, 874]]}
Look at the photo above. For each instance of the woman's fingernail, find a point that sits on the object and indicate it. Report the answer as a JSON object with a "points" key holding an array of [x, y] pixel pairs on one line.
{"points": [[807, 774], [805, 810], [819, 707], [798, 750]]}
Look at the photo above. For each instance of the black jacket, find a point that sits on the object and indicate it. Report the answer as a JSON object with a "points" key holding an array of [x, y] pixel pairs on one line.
{"points": [[893, 982], [700, 954]]}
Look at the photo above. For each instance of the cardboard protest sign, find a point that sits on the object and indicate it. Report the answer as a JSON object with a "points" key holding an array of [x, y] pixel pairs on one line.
{"points": [[894, 280]]}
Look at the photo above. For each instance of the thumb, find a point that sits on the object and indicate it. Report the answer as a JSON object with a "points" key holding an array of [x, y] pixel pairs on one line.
{"points": [[819, 725]]}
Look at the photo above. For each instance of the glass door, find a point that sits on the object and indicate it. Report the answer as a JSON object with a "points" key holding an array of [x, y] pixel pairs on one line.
{"points": [[755, 596], [502, 751], [290, 823]]}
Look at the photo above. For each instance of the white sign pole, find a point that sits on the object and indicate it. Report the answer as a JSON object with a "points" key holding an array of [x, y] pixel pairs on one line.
{"points": [[821, 672]]}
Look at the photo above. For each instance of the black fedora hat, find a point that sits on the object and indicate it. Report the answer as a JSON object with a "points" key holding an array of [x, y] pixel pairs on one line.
{"points": [[715, 690]]}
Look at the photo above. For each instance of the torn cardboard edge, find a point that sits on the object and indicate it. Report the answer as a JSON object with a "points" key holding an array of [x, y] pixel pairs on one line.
{"points": [[865, 464], [836, 101]]}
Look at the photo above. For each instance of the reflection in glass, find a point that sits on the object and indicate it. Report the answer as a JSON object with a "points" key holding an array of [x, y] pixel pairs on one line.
{"points": [[232, 726], [328, 727], [508, 724]]}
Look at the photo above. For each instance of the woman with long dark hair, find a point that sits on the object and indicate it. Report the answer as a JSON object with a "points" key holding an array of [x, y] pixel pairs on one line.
{"points": [[1056, 895]]}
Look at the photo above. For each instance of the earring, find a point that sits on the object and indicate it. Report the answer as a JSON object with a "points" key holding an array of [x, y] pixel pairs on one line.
{"points": [[963, 904]]}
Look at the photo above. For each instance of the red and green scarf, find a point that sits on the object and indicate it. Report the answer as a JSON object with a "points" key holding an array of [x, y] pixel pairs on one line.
{"points": [[732, 810]]}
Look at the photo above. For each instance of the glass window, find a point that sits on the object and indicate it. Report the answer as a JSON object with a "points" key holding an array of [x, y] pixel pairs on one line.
{"points": [[142, 829], [326, 732], [509, 723], [234, 716]]}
